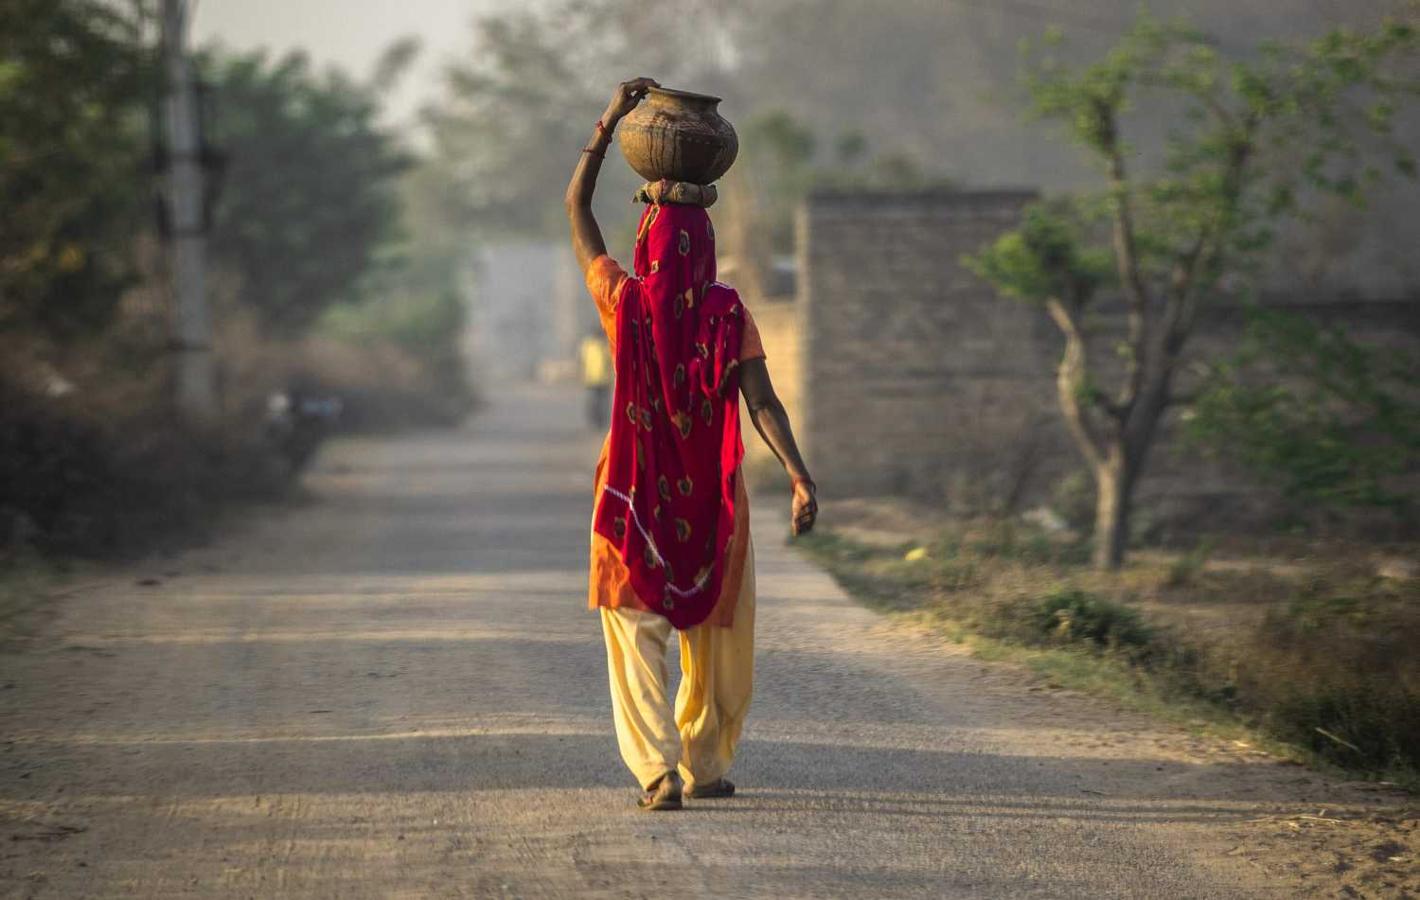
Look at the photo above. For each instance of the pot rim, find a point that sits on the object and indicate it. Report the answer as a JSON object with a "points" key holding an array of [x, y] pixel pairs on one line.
{"points": [[687, 95]]}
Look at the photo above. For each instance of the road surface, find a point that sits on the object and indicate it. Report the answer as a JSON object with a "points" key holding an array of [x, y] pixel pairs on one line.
{"points": [[393, 690]]}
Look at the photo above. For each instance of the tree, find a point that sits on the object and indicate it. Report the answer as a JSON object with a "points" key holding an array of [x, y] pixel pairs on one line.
{"points": [[73, 78], [511, 116], [520, 104], [781, 162], [310, 193], [1331, 421], [1250, 137]]}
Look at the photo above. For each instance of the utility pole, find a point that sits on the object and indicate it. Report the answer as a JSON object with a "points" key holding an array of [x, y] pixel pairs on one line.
{"points": [[195, 368]]}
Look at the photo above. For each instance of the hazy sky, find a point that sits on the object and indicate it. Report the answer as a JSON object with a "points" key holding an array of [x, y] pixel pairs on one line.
{"points": [[350, 33]]}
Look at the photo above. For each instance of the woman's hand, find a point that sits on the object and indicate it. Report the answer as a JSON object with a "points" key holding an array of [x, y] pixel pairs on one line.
{"points": [[804, 509], [587, 242], [627, 95]]}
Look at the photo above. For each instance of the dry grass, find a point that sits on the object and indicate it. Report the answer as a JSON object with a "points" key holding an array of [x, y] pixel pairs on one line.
{"points": [[1304, 642]]}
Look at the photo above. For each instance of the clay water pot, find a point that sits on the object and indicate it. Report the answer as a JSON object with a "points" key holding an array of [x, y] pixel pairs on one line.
{"points": [[678, 135]]}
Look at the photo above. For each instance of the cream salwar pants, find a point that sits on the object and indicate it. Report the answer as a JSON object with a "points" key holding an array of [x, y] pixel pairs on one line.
{"points": [[699, 735]]}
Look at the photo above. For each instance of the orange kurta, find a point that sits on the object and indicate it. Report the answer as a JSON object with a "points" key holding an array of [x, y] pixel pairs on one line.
{"points": [[610, 581]]}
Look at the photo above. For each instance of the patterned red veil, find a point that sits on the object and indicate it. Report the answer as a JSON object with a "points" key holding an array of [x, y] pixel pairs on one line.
{"points": [[675, 448]]}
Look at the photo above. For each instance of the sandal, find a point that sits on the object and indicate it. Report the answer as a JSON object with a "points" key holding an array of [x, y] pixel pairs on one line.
{"points": [[665, 794], [715, 790]]}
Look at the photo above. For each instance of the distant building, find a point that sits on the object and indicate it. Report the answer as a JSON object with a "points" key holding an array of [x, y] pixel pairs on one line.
{"points": [[527, 309]]}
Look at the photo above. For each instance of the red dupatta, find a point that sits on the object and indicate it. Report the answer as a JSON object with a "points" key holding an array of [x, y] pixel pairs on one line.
{"points": [[668, 506]]}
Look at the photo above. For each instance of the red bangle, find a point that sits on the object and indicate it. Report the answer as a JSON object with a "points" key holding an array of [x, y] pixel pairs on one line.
{"points": [[603, 129]]}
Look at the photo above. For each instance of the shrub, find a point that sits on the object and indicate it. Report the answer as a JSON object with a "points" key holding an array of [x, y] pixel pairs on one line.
{"points": [[421, 378], [1076, 616], [1073, 499], [1184, 570], [1338, 674], [383, 383], [1318, 651], [72, 483]]}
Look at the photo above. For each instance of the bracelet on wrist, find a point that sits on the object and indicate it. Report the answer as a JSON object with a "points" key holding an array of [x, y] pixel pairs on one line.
{"points": [[808, 481]]}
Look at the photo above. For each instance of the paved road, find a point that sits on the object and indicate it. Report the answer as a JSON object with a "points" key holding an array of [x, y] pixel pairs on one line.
{"points": [[394, 691]]}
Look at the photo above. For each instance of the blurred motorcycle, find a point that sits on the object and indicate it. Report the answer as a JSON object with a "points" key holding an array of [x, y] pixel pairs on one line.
{"points": [[296, 423]]}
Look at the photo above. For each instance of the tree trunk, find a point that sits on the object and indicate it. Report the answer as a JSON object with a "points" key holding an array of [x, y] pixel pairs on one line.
{"points": [[1118, 469], [1117, 447], [1114, 489]]}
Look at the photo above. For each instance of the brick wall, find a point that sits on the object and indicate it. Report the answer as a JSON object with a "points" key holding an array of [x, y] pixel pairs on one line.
{"points": [[904, 373], [779, 324], [919, 379]]}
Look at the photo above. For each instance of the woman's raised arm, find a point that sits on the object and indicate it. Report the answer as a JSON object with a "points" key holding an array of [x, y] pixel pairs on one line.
{"points": [[587, 241]]}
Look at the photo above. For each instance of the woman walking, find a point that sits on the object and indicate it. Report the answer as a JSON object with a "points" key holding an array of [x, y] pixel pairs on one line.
{"points": [[671, 547]]}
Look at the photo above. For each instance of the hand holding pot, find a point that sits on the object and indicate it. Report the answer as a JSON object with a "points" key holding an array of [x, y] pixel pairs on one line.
{"points": [[625, 98]]}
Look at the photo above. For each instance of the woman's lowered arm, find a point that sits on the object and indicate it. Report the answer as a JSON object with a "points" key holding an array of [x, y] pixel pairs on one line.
{"points": [[771, 420], [587, 241]]}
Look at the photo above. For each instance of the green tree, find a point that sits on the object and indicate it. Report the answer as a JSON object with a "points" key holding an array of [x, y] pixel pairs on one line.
{"points": [[781, 163], [310, 191], [515, 110], [519, 105], [1331, 421], [775, 172], [73, 81], [1251, 135]]}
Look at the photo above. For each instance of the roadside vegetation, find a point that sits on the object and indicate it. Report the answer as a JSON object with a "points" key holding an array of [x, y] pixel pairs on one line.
{"points": [[1304, 637], [319, 282], [1178, 230], [1305, 645]]}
